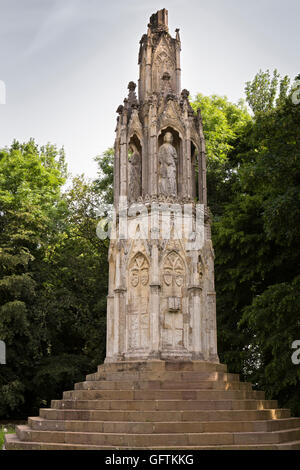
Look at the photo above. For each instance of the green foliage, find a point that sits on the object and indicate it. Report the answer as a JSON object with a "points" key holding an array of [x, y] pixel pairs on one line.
{"points": [[272, 321], [223, 124], [53, 279], [261, 93], [7, 429], [30, 182], [104, 182], [258, 255]]}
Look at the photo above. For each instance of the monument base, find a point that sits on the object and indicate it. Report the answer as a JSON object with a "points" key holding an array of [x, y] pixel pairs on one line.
{"points": [[160, 405], [169, 356]]}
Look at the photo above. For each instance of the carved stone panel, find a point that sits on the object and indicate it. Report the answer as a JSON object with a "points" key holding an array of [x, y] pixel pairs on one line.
{"points": [[162, 63], [173, 284], [138, 302], [173, 272]]}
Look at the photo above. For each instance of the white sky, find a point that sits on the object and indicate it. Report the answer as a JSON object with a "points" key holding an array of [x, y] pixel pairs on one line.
{"points": [[67, 63]]}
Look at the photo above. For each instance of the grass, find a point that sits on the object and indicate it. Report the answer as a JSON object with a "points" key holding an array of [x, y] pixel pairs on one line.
{"points": [[5, 429]]}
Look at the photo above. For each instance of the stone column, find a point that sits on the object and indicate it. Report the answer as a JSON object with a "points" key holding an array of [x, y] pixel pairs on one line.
{"points": [[202, 158], [145, 161], [110, 312], [148, 71], [153, 150], [212, 343], [196, 314], [188, 163], [110, 328], [178, 69], [154, 303], [119, 309], [123, 156], [116, 173], [185, 189], [195, 306]]}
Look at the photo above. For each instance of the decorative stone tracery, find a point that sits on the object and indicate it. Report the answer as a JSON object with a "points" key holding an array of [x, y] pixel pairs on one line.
{"points": [[139, 271], [173, 271]]}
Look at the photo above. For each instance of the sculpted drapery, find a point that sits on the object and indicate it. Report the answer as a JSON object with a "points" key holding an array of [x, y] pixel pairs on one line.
{"points": [[167, 158]]}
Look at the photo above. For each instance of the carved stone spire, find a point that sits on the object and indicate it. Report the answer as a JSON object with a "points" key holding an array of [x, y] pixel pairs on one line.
{"points": [[159, 21], [159, 54]]}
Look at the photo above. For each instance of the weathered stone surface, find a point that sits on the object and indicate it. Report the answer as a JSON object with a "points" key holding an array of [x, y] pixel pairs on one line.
{"points": [[216, 413], [161, 302]]}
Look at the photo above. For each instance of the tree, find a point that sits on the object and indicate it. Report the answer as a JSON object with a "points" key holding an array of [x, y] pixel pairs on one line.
{"points": [[104, 182], [257, 256], [74, 296], [53, 279], [262, 91], [30, 207], [224, 123]]}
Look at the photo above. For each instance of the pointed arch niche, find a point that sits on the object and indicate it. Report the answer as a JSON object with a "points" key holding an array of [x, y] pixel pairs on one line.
{"points": [[173, 281], [196, 172], [135, 168], [177, 143], [163, 62], [138, 321]]}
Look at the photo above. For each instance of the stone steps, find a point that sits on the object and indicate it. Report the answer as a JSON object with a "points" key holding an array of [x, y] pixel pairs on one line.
{"points": [[160, 405], [171, 427], [162, 366], [157, 416], [13, 443], [164, 405], [174, 376], [162, 385], [93, 394], [25, 433]]}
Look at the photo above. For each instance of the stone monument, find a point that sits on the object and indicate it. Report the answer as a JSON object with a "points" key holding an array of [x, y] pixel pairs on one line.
{"points": [[161, 302], [161, 386]]}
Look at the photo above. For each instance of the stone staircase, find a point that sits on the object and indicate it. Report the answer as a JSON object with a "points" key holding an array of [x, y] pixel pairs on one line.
{"points": [[160, 405]]}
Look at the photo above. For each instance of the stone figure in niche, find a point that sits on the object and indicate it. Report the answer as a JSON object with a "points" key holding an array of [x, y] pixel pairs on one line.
{"points": [[167, 158], [135, 175]]}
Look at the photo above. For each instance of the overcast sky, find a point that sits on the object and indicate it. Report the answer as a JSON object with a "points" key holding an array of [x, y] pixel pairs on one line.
{"points": [[67, 63]]}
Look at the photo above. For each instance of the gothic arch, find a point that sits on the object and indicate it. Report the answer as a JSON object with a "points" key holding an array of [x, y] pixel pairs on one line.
{"points": [[135, 165], [196, 174], [135, 128], [170, 127], [177, 143], [162, 62], [137, 316]]}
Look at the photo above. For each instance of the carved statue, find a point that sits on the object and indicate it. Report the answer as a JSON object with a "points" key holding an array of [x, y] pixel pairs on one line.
{"points": [[167, 158], [135, 175]]}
